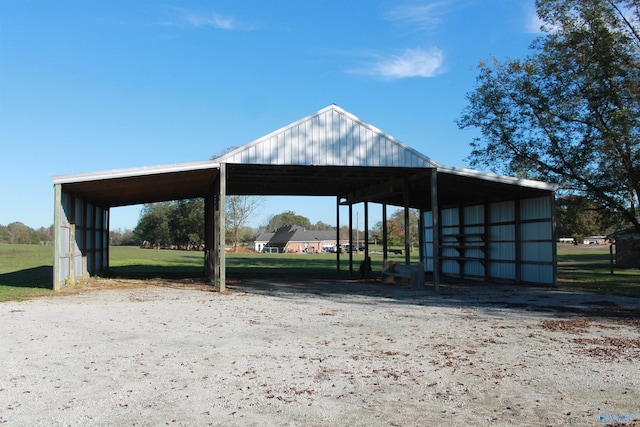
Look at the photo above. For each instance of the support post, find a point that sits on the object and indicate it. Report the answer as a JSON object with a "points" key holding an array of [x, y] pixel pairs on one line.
{"points": [[407, 229], [366, 230], [57, 219], [350, 239], [209, 243], [222, 274], [436, 228], [385, 245], [338, 232]]}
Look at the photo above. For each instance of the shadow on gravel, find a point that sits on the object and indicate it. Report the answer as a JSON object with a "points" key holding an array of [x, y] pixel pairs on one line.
{"points": [[545, 301]]}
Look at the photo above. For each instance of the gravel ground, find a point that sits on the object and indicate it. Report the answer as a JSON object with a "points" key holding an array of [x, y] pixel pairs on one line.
{"points": [[319, 354]]}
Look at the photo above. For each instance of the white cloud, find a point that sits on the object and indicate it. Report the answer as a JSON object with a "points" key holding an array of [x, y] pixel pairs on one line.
{"points": [[424, 16], [411, 63], [203, 19]]}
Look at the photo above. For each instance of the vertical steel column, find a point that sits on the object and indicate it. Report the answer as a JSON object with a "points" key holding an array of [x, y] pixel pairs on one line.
{"points": [[385, 246], [518, 240], [407, 228], [350, 239], [436, 228], [57, 219], [209, 202], [222, 228], [338, 232], [554, 247], [366, 230]]}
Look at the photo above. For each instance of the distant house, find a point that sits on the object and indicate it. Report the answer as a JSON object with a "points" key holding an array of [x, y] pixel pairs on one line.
{"points": [[296, 239], [261, 241], [595, 240]]}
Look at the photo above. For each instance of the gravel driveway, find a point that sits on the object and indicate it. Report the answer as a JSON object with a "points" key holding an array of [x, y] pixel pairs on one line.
{"points": [[319, 354]]}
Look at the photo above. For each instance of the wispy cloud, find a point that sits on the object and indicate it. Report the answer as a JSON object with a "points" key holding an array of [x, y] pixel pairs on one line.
{"points": [[202, 19], [410, 63], [205, 19], [423, 16]]}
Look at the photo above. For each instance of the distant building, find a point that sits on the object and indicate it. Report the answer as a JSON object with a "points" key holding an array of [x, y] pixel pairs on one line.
{"points": [[595, 240], [296, 239]]}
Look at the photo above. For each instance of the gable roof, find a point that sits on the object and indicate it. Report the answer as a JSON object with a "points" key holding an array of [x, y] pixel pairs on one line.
{"points": [[294, 233], [329, 137]]}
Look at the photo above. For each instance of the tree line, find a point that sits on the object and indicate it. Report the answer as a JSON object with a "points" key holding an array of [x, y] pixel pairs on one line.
{"points": [[18, 233]]}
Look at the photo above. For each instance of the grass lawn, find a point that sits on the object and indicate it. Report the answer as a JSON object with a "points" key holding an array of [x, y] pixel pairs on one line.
{"points": [[588, 268], [26, 270]]}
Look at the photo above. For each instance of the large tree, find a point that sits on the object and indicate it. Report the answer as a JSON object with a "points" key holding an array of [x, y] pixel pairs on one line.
{"points": [[570, 112]]}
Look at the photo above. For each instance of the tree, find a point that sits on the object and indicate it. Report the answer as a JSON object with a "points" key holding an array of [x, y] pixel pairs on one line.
{"points": [[288, 218], [395, 228], [570, 112], [577, 217], [186, 222], [121, 237], [153, 225], [238, 211]]}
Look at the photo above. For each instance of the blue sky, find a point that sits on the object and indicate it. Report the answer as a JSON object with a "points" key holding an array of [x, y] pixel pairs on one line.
{"points": [[99, 85]]}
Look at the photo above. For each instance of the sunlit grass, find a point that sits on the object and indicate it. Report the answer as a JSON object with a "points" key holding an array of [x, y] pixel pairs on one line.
{"points": [[26, 270]]}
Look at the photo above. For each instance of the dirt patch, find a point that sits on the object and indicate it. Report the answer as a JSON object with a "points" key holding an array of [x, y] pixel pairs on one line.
{"points": [[322, 353]]}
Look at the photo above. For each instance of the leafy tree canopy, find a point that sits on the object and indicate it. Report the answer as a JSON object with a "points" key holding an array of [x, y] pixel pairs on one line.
{"points": [[288, 218], [570, 112]]}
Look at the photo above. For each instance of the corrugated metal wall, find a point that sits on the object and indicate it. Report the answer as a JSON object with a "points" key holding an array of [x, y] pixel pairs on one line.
{"points": [[510, 241], [82, 239], [332, 137]]}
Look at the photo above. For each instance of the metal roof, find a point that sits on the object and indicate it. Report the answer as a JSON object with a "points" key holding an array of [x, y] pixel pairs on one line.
{"points": [[329, 153]]}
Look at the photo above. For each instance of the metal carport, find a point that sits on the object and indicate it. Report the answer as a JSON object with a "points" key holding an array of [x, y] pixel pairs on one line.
{"points": [[329, 153]]}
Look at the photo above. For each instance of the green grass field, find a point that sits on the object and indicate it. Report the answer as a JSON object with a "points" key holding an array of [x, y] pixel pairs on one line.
{"points": [[26, 270]]}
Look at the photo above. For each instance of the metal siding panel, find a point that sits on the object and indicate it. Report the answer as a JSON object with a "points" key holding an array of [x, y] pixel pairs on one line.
{"points": [[502, 211], [536, 251], [537, 273], [536, 208], [369, 149], [474, 215], [449, 217], [499, 270], [473, 268], [502, 232], [502, 251], [536, 231], [450, 267]]}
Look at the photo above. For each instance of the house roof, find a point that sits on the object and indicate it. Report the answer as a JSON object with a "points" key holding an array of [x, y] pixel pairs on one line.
{"points": [[295, 233]]}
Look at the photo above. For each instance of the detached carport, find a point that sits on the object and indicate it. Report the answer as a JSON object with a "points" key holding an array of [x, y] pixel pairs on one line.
{"points": [[473, 225]]}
